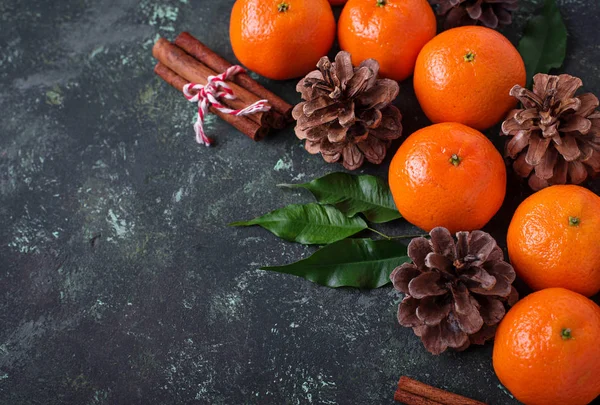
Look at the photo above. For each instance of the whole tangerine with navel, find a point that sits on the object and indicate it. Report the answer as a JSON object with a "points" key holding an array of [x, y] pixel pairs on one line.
{"points": [[465, 75], [281, 39], [553, 239], [389, 31], [546, 349], [448, 175]]}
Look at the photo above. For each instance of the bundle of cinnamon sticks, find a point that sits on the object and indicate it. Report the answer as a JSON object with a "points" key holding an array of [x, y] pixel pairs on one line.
{"points": [[188, 60], [413, 392]]}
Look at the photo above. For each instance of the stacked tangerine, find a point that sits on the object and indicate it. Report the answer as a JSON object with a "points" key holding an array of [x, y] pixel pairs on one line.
{"points": [[449, 174]]}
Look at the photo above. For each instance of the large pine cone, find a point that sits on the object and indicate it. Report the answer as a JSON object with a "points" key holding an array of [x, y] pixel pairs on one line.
{"points": [[490, 13], [455, 292], [347, 114], [556, 136]]}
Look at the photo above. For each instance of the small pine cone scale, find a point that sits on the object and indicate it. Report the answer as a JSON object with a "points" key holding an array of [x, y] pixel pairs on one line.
{"points": [[555, 137], [347, 115], [456, 292], [490, 13]]}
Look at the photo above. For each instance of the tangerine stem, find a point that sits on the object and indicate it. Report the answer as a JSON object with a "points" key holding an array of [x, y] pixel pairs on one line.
{"points": [[455, 159], [283, 7], [381, 3], [469, 57], [574, 221], [566, 334]]}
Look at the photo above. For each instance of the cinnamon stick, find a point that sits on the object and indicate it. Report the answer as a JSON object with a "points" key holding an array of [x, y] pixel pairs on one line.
{"points": [[248, 127], [436, 395], [192, 70], [412, 399], [207, 56]]}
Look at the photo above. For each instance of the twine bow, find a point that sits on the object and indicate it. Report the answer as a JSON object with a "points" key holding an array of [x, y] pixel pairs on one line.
{"points": [[209, 95]]}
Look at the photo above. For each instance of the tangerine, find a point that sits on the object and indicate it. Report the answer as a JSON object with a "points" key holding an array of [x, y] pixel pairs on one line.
{"points": [[448, 175], [389, 31], [553, 239], [465, 75], [546, 349], [281, 39]]}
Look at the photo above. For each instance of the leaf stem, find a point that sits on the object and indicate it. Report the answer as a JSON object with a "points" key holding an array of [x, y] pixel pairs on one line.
{"points": [[419, 235], [395, 237], [379, 233]]}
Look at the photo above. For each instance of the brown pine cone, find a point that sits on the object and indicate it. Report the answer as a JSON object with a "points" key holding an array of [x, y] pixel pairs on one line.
{"points": [[347, 114], [490, 13], [556, 136], [455, 292]]}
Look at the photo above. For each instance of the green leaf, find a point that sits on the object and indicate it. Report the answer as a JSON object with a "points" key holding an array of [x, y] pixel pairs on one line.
{"points": [[369, 195], [544, 42], [308, 224], [360, 263]]}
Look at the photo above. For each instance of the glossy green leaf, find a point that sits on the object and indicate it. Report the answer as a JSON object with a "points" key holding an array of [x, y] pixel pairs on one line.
{"points": [[360, 263], [544, 42], [308, 224], [351, 194]]}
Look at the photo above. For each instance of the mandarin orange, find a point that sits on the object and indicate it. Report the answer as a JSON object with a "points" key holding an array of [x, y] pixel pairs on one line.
{"points": [[448, 175], [389, 31], [546, 349], [465, 75], [553, 239], [281, 39]]}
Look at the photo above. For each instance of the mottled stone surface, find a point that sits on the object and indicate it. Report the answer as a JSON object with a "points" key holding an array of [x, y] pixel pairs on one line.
{"points": [[120, 282]]}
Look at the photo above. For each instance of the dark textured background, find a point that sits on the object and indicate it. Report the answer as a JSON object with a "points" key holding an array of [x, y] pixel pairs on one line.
{"points": [[120, 282]]}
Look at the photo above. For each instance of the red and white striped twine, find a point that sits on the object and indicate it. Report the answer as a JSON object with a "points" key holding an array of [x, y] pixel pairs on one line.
{"points": [[210, 93]]}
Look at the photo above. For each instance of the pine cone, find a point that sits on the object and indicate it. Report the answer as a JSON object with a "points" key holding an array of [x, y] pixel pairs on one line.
{"points": [[556, 136], [491, 13], [455, 292], [347, 113]]}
